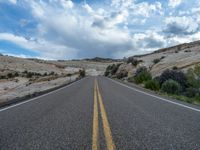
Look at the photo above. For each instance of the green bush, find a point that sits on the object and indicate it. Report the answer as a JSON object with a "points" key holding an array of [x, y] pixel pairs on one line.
{"points": [[152, 85], [111, 69], [193, 77], [191, 92], [175, 75], [140, 69], [171, 87], [114, 68], [142, 75], [106, 73]]}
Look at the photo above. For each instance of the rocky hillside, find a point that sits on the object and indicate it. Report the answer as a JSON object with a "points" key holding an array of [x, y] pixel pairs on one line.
{"points": [[179, 57], [20, 77]]}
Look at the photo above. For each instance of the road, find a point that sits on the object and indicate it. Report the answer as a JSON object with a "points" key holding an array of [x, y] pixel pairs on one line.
{"points": [[98, 113]]}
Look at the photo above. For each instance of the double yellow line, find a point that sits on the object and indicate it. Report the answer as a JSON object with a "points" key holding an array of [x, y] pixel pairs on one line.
{"points": [[106, 128]]}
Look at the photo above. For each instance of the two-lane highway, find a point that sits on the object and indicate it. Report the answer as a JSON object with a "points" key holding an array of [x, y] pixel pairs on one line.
{"points": [[99, 113]]}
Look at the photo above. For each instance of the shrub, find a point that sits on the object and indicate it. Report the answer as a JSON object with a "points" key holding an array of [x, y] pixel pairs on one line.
{"points": [[29, 75], [122, 74], [187, 51], [111, 69], [193, 77], [162, 57], [171, 87], [191, 92], [175, 68], [152, 85], [69, 75], [133, 61], [106, 73], [155, 61], [25, 72], [82, 73], [175, 75], [197, 99], [52, 73], [140, 69], [131, 79], [9, 75], [114, 69], [197, 70], [2, 77], [142, 75]]}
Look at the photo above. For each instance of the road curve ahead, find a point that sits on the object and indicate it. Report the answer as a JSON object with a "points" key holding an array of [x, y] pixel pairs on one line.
{"points": [[98, 113]]}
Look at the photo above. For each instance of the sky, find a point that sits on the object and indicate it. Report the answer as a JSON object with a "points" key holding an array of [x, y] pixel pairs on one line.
{"points": [[76, 29]]}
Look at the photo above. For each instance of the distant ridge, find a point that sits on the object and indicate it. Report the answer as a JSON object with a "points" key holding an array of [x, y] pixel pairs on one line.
{"points": [[100, 59]]}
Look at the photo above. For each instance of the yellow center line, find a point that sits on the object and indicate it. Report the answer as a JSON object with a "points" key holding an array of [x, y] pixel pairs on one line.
{"points": [[95, 121], [106, 127]]}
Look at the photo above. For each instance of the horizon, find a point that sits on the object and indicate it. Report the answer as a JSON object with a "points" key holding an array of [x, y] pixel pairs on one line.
{"points": [[81, 29]]}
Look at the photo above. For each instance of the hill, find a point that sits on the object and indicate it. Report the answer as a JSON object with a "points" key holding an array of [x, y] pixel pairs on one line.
{"points": [[20, 77], [181, 57]]}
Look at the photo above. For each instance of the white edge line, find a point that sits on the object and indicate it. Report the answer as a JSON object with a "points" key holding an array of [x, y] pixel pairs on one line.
{"points": [[26, 101], [163, 99]]}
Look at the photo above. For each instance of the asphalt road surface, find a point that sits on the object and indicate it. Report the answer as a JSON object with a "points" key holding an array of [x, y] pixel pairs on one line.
{"points": [[98, 113]]}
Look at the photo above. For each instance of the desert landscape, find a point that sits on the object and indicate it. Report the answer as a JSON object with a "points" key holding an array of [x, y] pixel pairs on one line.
{"points": [[21, 77], [180, 57]]}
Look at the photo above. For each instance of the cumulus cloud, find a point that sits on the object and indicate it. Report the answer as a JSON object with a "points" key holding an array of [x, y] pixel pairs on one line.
{"points": [[181, 25], [174, 3], [45, 48], [65, 29], [145, 9], [112, 20]]}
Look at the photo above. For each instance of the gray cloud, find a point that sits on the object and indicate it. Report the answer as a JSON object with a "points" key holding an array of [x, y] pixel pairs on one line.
{"points": [[181, 26]]}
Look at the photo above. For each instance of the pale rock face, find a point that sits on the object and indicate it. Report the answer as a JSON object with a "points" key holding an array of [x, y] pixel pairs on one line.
{"points": [[182, 56]]}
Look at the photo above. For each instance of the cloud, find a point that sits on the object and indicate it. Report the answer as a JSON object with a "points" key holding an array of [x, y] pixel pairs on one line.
{"points": [[144, 9], [181, 25], [112, 20], [13, 1], [45, 48], [174, 3], [64, 29], [79, 32], [10, 1]]}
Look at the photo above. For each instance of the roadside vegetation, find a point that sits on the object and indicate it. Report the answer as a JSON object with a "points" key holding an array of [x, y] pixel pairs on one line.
{"points": [[82, 73], [111, 69], [173, 82], [133, 61]]}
